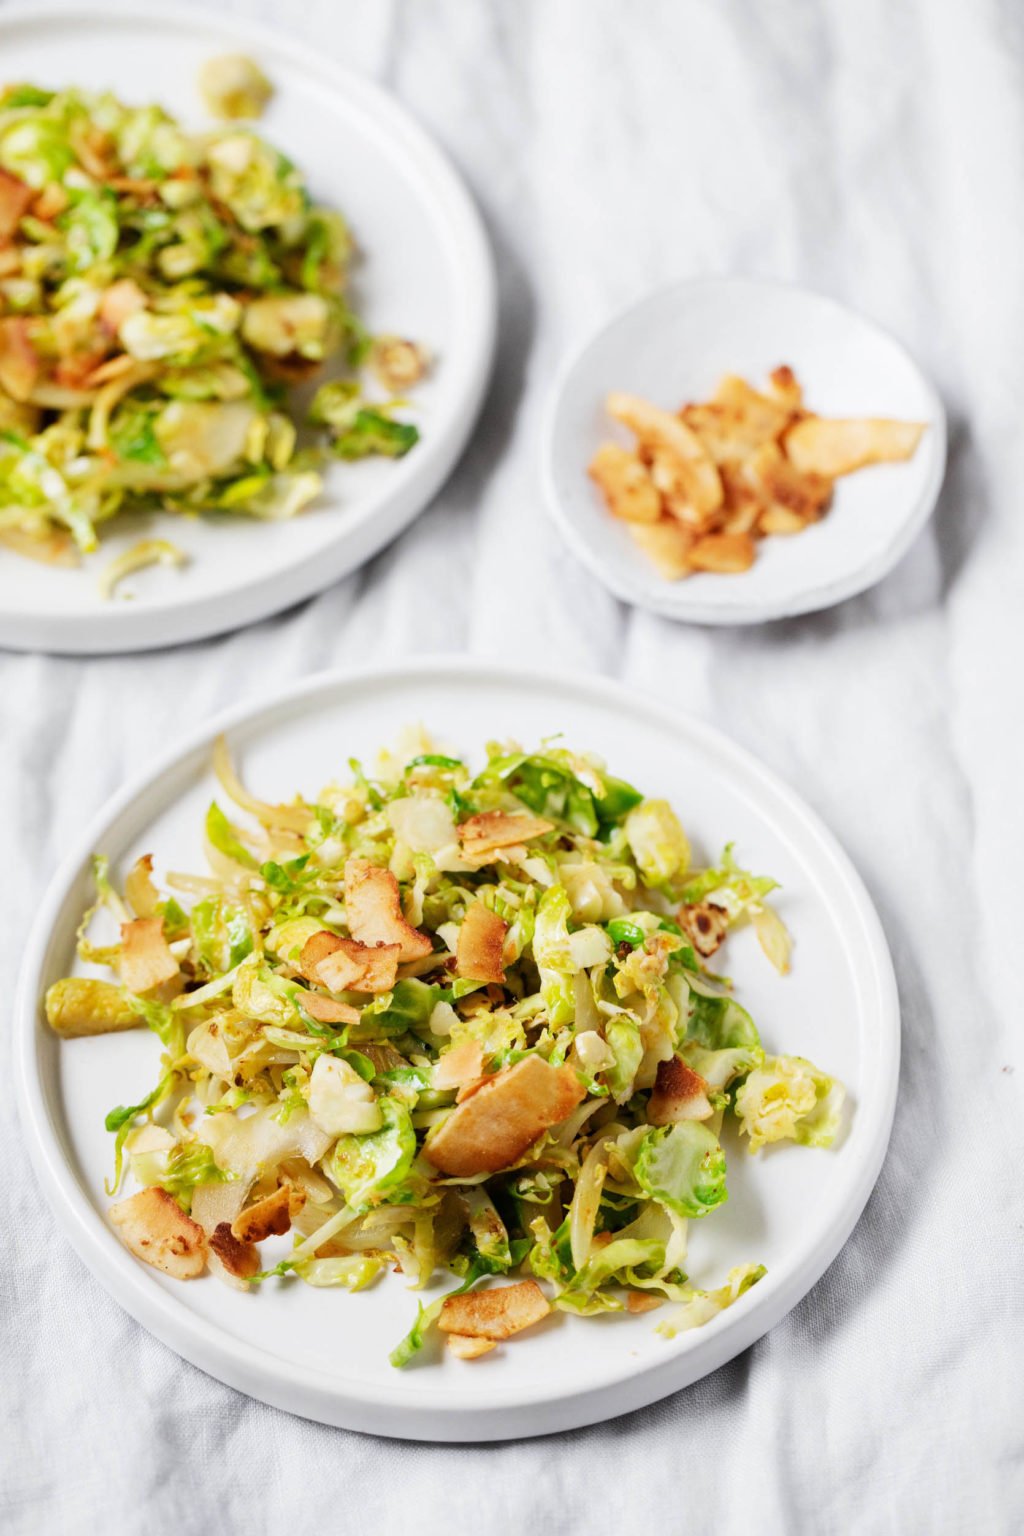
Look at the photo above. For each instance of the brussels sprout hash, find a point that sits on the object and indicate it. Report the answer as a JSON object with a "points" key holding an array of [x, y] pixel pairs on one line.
{"points": [[160, 292], [441, 1019]]}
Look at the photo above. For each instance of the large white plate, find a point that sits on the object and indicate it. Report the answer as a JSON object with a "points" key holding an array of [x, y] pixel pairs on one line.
{"points": [[425, 272], [675, 345], [324, 1354]]}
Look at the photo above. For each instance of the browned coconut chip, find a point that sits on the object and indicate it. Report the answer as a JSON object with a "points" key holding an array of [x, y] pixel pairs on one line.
{"points": [[155, 1228], [481, 836], [146, 960], [503, 1118], [19, 362], [465, 1348], [355, 967], [269, 1217], [327, 1011], [373, 910], [642, 1301], [823, 447], [679, 1093], [478, 954], [497, 1313], [15, 198], [241, 1260], [463, 1063]]}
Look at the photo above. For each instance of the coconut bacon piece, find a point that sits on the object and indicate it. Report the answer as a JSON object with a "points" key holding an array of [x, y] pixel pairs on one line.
{"points": [[820, 446], [345, 965], [660, 430], [494, 1314], [155, 1228], [503, 1118], [478, 954], [463, 1347], [146, 960], [15, 198], [484, 834], [679, 1093], [269, 1217], [373, 909], [326, 1010], [241, 1260]]}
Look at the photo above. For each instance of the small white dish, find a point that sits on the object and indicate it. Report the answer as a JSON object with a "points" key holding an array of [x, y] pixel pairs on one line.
{"points": [[324, 1354], [674, 346], [425, 272]]}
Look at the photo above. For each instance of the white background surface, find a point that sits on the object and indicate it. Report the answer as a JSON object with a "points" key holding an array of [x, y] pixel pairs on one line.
{"points": [[876, 151]]}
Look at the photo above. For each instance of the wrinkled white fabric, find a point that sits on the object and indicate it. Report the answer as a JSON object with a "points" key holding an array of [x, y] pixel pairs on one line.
{"points": [[874, 150]]}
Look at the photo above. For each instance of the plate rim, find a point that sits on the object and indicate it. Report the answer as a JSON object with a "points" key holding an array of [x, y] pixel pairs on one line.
{"points": [[394, 1411], [127, 629], [675, 604]]}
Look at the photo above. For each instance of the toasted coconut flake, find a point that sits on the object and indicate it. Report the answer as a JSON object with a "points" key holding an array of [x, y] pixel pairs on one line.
{"points": [[484, 834], [679, 1093], [674, 483], [784, 487], [155, 1228], [497, 1313], [19, 364], [756, 418], [120, 300], [624, 482], [463, 1064], [241, 1260], [668, 544], [316, 948], [15, 198], [504, 1117], [785, 387], [355, 967], [146, 960], [326, 1010], [373, 908], [269, 1217], [465, 1348], [140, 892], [481, 943], [660, 430], [833, 448], [642, 1301], [55, 547], [726, 553]]}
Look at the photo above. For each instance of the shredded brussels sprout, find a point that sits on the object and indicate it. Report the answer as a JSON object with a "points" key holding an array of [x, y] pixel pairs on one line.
{"points": [[162, 293], [334, 1065]]}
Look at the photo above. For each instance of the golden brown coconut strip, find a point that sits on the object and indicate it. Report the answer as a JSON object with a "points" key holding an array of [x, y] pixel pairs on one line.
{"points": [[478, 954], [503, 1118], [679, 1093], [494, 1314], [153, 1226], [373, 910], [146, 961]]}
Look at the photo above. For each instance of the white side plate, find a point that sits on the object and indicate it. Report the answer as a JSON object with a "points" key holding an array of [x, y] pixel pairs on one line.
{"points": [[425, 272], [674, 346], [324, 1354]]}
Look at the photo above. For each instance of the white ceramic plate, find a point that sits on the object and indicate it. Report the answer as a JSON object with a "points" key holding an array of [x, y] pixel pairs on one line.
{"points": [[426, 272], [324, 1354], [674, 346]]}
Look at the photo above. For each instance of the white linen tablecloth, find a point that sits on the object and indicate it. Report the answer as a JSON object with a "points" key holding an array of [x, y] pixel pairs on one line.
{"points": [[873, 150]]}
